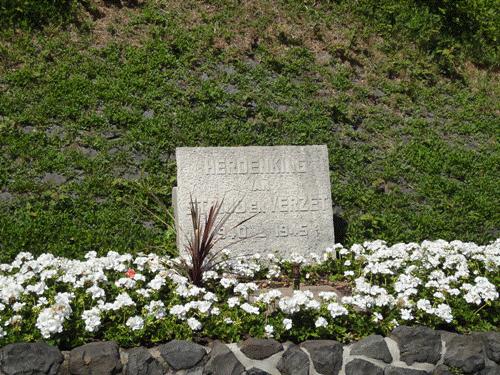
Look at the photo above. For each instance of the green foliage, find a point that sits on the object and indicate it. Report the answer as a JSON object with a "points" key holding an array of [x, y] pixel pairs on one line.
{"points": [[448, 29], [412, 152], [36, 13]]}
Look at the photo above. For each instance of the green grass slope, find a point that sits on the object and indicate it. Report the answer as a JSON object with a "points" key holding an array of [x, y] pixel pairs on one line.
{"points": [[91, 112]]}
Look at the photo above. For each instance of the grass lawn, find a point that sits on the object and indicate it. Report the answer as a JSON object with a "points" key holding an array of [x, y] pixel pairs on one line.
{"points": [[91, 113]]}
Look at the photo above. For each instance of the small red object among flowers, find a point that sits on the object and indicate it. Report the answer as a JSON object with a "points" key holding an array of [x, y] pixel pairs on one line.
{"points": [[130, 273]]}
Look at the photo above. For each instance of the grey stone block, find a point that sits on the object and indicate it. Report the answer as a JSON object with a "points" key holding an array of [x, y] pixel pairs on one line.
{"points": [[256, 371], [260, 348], [465, 353], [222, 361], [30, 358], [491, 342], [442, 370], [492, 370], [141, 362], [362, 367], [294, 362], [182, 354], [288, 187], [326, 355], [393, 370], [373, 346], [417, 344], [101, 358]]}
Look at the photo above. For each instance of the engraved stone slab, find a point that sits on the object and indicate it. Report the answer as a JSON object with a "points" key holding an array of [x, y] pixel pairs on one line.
{"points": [[288, 187]]}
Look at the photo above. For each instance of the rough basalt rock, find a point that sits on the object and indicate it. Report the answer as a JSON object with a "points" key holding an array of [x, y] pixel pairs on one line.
{"points": [[294, 362], [491, 342], [393, 370], [141, 362], [260, 348], [30, 358], [465, 353], [373, 346], [222, 361], [442, 370], [326, 355], [256, 371], [182, 354], [417, 344], [473, 354], [362, 367], [493, 370], [101, 358]]}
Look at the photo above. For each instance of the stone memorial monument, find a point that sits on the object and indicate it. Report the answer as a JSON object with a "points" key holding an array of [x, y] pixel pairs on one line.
{"points": [[286, 187]]}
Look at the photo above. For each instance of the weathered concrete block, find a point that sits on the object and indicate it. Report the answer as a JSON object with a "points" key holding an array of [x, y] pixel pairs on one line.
{"points": [[287, 187]]}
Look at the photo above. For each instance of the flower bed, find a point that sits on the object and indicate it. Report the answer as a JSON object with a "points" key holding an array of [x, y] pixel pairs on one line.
{"points": [[144, 300]]}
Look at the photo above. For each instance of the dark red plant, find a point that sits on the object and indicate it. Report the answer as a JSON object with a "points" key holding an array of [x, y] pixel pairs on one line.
{"points": [[206, 234]]}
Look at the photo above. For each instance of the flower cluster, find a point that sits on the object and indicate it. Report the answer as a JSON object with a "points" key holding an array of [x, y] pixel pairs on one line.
{"points": [[133, 299]]}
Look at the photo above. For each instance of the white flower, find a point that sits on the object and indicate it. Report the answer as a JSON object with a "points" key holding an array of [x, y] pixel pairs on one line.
{"points": [[297, 258], [269, 329], [443, 311], [245, 288], [194, 324], [287, 324], [226, 282], [156, 309], [18, 306], [406, 314], [228, 320], [38, 288], [321, 322], [336, 310], [179, 311], [14, 320], [96, 292], [425, 305], [156, 283], [299, 299], [135, 323], [233, 301], [215, 311], [438, 295], [125, 282], [250, 309], [377, 317], [92, 319], [210, 275], [51, 319], [270, 296], [49, 322]]}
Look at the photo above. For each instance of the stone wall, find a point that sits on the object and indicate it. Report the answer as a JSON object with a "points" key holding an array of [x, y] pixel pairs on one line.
{"points": [[406, 351]]}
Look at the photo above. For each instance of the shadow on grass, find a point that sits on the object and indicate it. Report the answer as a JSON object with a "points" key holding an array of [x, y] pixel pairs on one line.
{"points": [[35, 14]]}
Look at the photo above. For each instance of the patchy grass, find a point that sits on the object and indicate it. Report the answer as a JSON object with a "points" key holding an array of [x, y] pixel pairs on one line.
{"points": [[91, 113]]}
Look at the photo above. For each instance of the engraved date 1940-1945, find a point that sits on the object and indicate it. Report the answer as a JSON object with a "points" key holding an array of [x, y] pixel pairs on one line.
{"points": [[277, 230]]}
